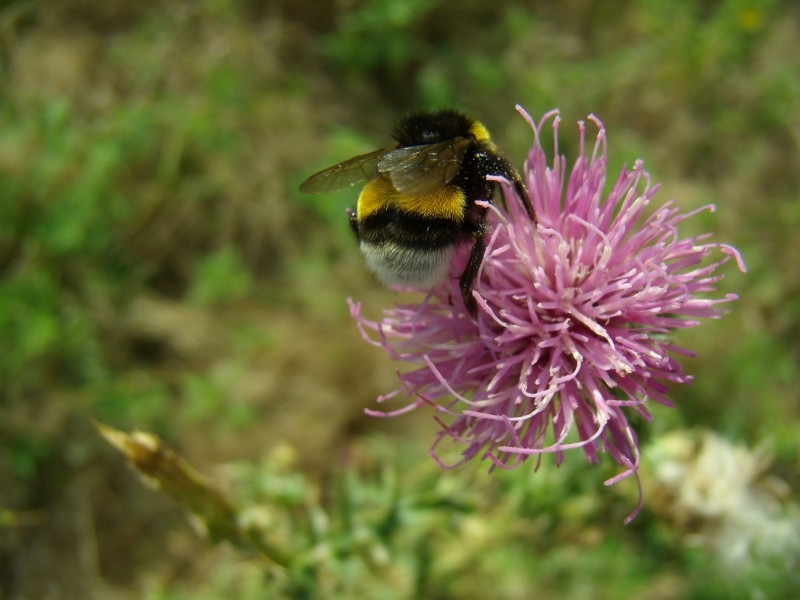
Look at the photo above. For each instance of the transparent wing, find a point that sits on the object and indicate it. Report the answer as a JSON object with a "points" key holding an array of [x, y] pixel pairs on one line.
{"points": [[416, 170], [350, 172]]}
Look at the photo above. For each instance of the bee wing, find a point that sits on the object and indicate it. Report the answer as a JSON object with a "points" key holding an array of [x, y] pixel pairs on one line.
{"points": [[423, 169], [350, 172]]}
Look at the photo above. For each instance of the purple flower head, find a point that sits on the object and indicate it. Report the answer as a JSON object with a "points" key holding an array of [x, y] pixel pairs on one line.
{"points": [[573, 315]]}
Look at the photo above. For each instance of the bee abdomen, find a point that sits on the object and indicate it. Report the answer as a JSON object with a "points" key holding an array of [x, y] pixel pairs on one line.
{"points": [[395, 264], [405, 250]]}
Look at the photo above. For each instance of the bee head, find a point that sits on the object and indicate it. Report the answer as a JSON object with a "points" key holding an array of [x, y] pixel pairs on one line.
{"points": [[431, 127]]}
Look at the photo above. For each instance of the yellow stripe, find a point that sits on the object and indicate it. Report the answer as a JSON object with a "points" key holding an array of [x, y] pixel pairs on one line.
{"points": [[481, 134], [448, 202]]}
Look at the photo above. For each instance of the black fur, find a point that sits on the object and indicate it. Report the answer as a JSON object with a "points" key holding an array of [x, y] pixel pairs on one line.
{"points": [[431, 127], [409, 230]]}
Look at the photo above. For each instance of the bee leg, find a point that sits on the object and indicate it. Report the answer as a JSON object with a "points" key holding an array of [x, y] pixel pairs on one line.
{"points": [[497, 165], [471, 272], [526, 199], [353, 218]]}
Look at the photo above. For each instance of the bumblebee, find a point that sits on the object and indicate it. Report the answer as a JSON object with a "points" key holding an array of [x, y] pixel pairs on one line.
{"points": [[418, 202]]}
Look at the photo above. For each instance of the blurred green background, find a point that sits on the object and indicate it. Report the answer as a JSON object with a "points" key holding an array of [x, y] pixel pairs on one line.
{"points": [[160, 271]]}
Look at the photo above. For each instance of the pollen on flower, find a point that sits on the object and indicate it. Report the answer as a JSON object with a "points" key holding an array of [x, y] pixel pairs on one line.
{"points": [[574, 311]]}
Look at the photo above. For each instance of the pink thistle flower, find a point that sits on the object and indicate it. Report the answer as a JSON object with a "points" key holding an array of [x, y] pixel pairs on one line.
{"points": [[573, 315]]}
